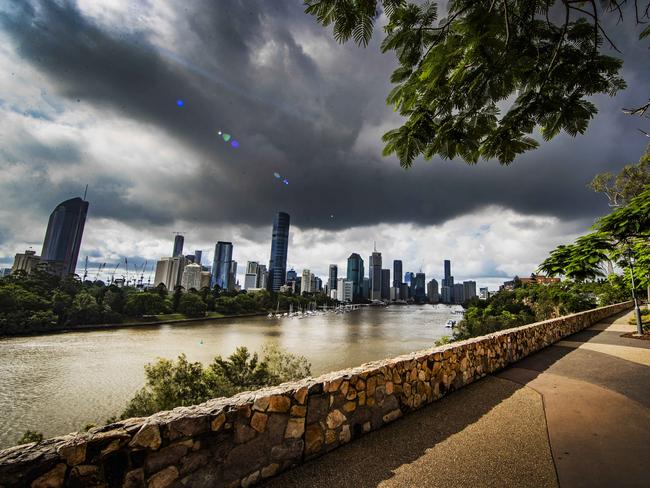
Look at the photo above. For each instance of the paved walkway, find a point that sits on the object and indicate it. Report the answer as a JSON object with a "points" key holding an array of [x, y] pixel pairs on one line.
{"points": [[576, 414]]}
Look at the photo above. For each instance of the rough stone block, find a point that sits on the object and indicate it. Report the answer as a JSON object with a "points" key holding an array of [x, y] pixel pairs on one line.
{"points": [[295, 429], [258, 422], [313, 439], [148, 437], [164, 478], [279, 403]]}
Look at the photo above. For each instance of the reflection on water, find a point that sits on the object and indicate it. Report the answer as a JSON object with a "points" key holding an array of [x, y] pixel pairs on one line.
{"points": [[57, 383]]}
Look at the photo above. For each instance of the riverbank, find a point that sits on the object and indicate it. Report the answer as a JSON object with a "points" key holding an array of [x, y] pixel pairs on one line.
{"points": [[91, 327]]}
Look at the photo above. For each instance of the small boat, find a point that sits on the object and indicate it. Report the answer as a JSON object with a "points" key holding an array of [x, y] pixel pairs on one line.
{"points": [[450, 323]]}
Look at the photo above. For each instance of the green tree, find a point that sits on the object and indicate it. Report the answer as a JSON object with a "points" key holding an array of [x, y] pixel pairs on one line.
{"points": [[191, 305], [477, 83], [627, 184], [139, 304], [176, 298], [84, 310]]}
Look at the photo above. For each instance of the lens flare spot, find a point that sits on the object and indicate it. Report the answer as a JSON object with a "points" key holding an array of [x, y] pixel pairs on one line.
{"points": [[180, 103], [226, 137], [234, 143], [277, 175], [285, 181], [219, 132]]}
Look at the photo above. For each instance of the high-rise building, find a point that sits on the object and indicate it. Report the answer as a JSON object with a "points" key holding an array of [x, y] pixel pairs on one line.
{"points": [[63, 236], [458, 293], [333, 277], [365, 288], [469, 290], [484, 293], [205, 279], [344, 290], [385, 284], [221, 265], [191, 277], [355, 274], [279, 249], [432, 291], [251, 267], [190, 258], [375, 275], [397, 273], [446, 294], [198, 254], [404, 291], [179, 240], [232, 276], [318, 284], [408, 278], [262, 276], [169, 271], [292, 275], [250, 281], [307, 281], [27, 261], [418, 286]]}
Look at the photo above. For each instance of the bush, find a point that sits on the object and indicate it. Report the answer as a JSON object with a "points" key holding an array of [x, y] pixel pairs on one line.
{"points": [[139, 304], [30, 436], [191, 305]]}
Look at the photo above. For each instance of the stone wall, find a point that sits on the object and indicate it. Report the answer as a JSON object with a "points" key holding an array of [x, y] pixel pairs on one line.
{"points": [[239, 441]]}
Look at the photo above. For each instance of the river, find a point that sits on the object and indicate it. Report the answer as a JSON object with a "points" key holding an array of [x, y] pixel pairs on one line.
{"points": [[58, 383]]}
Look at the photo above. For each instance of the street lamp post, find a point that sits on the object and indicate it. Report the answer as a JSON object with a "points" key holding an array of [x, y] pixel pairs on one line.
{"points": [[637, 310]]}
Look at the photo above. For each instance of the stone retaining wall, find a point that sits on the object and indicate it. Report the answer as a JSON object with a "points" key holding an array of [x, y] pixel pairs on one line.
{"points": [[239, 441]]}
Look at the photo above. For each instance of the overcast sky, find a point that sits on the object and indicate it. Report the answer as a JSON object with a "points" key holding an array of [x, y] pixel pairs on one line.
{"points": [[89, 96]]}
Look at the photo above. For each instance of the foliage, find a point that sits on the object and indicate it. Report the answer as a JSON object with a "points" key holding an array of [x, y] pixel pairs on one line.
{"points": [[139, 304], [30, 436], [170, 384], [477, 83], [191, 305], [627, 184]]}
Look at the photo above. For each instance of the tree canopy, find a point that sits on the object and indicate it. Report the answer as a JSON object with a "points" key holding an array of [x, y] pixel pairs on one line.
{"points": [[477, 83]]}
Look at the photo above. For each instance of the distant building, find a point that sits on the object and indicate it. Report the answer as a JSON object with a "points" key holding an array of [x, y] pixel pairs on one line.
{"points": [[5, 272], [484, 293], [458, 294], [404, 291], [250, 281], [27, 261], [198, 254], [262, 276], [397, 273], [279, 250], [544, 280], [374, 268], [291, 275], [191, 277], [344, 290], [385, 284], [205, 278], [446, 294], [189, 258], [169, 272], [408, 278], [469, 290], [178, 245], [365, 288], [448, 281], [355, 274], [419, 288], [432, 291], [221, 265], [63, 236], [233, 284], [318, 284], [394, 293], [251, 267], [332, 282], [307, 281]]}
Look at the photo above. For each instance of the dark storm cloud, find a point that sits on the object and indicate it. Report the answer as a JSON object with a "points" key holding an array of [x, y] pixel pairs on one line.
{"points": [[241, 67]]}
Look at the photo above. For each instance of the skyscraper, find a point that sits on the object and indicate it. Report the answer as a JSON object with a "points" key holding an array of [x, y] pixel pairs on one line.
{"points": [[419, 288], [355, 274], [279, 248], [375, 276], [458, 292], [397, 273], [197, 256], [332, 281], [291, 275], [447, 264], [385, 284], [191, 277], [63, 236], [232, 275], [448, 281], [262, 276], [469, 289], [432, 291], [169, 272], [221, 264], [178, 245], [307, 281]]}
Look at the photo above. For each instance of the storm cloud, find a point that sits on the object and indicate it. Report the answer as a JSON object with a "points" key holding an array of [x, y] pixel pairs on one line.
{"points": [[103, 111]]}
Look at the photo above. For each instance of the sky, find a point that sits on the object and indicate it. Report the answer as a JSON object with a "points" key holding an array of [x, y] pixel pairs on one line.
{"points": [[90, 95]]}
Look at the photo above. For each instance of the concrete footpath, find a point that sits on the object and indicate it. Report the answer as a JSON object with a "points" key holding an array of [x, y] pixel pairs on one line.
{"points": [[576, 414]]}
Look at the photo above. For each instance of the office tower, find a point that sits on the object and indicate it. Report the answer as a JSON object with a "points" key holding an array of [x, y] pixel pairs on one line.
{"points": [[365, 288], [179, 240], [250, 281], [198, 254], [279, 248], [232, 276], [432, 291], [375, 275], [27, 261], [291, 275], [306, 281], [397, 273], [191, 277], [221, 264], [63, 236], [469, 290], [333, 277], [251, 267], [458, 293], [446, 294], [394, 293], [355, 274], [205, 279], [408, 278], [262, 276], [344, 290], [318, 284], [189, 258], [385, 284], [404, 291], [169, 272], [419, 288], [448, 280], [484, 294]]}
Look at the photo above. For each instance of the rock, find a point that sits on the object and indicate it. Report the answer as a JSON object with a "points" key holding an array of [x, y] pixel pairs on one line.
{"points": [[243, 433], [134, 479], [360, 385], [244, 411], [250, 479], [330, 436], [218, 422], [298, 411], [52, 479], [352, 394], [289, 449], [350, 407], [276, 427], [313, 439], [188, 426], [334, 385], [335, 419], [164, 457], [362, 398], [163, 478], [148, 436], [193, 461], [345, 386], [258, 422], [114, 446], [261, 404], [389, 387], [367, 426], [372, 384], [270, 470], [318, 407], [295, 428], [301, 395], [390, 416], [279, 403], [74, 452], [345, 434]]}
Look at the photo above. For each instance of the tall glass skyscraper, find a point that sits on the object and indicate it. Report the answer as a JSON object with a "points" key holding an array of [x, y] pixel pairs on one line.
{"points": [[397, 273], [333, 277], [375, 276], [355, 274], [279, 251], [221, 265], [179, 240], [63, 236]]}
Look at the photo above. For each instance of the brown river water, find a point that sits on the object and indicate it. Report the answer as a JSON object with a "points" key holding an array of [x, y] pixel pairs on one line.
{"points": [[58, 383]]}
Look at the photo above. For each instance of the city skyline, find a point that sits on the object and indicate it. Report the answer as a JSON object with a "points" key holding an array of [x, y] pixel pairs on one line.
{"points": [[154, 167]]}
